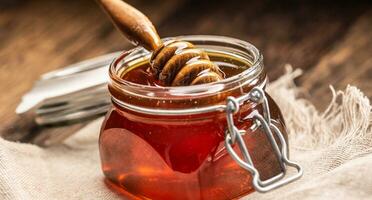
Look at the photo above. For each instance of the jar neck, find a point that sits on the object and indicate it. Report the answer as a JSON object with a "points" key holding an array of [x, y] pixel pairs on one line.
{"points": [[187, 99]]}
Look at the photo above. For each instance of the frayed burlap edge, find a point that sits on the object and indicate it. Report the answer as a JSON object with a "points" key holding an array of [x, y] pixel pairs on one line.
{"points": [[325, 143]]}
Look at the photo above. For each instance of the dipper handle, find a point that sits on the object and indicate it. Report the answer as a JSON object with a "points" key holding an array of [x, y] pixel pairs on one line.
{"points": [[132, 23]]}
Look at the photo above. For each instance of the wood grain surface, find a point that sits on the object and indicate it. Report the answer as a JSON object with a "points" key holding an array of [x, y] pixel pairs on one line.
{"points": [[330, 40]]}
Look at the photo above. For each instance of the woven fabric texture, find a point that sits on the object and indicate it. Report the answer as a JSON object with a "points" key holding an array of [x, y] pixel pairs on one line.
{"points": [[333, 146]]}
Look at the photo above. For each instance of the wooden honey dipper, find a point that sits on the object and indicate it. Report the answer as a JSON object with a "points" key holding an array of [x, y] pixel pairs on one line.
{"points": [[175, 63]]}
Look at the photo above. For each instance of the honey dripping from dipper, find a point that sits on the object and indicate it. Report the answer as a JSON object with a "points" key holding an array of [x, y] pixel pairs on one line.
{"points": [[173, 63], [179, 63]]}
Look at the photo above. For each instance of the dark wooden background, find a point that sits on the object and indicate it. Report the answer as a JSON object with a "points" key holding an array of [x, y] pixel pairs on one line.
{"points": [[330, 40]]}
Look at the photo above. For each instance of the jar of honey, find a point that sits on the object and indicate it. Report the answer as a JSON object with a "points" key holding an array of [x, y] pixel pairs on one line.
{"points": [[218, 140]]}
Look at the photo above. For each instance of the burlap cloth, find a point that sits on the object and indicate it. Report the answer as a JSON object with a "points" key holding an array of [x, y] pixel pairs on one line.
{"points": [[334, 147]]}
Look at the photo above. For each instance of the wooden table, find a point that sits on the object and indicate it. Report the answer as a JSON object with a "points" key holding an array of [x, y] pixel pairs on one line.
{"points": [[331, 41]]}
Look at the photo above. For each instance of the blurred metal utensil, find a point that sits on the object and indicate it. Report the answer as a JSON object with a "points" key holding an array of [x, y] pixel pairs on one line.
{"points": [[69, 95]]}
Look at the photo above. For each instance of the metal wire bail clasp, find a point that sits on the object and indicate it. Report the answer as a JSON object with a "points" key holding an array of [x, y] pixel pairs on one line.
{"points": [[235, 136]]}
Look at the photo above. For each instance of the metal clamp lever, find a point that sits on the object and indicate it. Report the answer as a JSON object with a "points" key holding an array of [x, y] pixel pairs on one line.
{"points": [[234, 135]]}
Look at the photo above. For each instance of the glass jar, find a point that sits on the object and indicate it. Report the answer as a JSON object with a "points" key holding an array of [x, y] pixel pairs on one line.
{"points": [[219, 140]]}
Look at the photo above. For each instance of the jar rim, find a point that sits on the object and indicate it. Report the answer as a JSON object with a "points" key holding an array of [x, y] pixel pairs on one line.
{"points": [[256, 65], [253, 75]]}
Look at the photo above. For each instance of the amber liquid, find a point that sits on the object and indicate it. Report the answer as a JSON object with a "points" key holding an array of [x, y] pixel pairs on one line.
{"points": [[179, 157], [141, 74]]}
